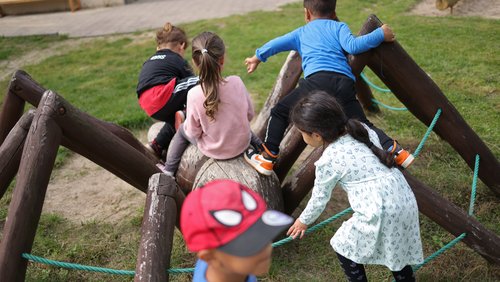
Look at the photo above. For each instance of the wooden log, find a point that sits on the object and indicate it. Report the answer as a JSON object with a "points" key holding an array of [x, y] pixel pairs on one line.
{"points": [[12, 149], [27, 200], [416, 90], [238, 170], [290, 149], [191, 162], [26, 88], [431, 204], [365, 96], [296, 187], [455, 220], [287, 80], [11, 111], [157, 231], [95, 142]]}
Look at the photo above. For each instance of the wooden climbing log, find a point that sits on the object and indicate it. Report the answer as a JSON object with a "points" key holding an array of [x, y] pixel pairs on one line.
{"points": [[157, 231], [11, 111], [12, 149], [90, 139], [25, 208], [291, 147], [431, 204], [455, 220], [238, 170], [23, 87], [296, 187], [191, 162], [287, 80], [365, 96], [416, 90]]}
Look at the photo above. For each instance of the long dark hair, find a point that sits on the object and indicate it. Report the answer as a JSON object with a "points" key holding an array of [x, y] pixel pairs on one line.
{"points": [[208, 49], [320, 113]]}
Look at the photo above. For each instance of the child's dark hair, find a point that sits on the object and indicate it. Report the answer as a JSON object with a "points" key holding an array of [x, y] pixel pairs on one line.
{"points": [[321, 8], [320, 113], [171, 34], [208, 49]]}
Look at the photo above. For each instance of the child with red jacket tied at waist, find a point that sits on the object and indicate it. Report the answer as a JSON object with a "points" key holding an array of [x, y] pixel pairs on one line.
{"points": [[321, 43], [219, 110], [164, 82], [231, 230]]}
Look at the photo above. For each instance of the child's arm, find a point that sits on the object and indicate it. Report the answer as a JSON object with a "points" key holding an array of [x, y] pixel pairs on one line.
{"points": [[286, 42], [326, 179], [356, 45]]}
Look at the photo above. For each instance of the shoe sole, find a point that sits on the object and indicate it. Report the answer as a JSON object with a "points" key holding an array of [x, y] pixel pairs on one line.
{"points": [[259, 169]]}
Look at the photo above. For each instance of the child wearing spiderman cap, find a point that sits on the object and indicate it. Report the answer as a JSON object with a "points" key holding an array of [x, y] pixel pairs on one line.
{"points": [[231, 230]]}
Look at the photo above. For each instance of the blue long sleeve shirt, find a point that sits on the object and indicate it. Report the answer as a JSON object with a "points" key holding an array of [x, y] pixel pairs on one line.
{"points": [[321, 44]]}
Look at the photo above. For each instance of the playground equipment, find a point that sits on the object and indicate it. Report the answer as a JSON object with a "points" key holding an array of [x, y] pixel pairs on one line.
{"points": [[56, 122]]}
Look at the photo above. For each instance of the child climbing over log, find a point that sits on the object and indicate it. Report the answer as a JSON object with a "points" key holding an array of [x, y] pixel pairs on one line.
{"points": [[219, 110], [384, 228], [321, 43], [164, 82], [231, 230]]}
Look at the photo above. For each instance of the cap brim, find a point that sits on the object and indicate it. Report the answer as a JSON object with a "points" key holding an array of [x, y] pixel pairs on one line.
{"points": [[261, 233]]}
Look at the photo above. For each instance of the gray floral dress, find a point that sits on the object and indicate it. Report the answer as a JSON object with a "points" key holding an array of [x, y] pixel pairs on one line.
{"points": [[384, 228]]}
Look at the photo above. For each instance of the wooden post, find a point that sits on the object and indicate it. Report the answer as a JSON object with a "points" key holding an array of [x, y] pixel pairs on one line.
{"points": [[413, 87], [287, 80], [431, 204], [11, 111], [12, 149], [157, 232], [26, 206]]}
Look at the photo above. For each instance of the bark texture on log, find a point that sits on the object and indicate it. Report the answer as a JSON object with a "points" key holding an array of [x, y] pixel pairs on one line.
{"points": [[25, 208], [238, 170], [11, 151], [157, 231]]}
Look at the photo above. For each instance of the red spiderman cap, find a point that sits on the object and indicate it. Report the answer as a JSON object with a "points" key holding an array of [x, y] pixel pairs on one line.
{"points": [[230, 217]]}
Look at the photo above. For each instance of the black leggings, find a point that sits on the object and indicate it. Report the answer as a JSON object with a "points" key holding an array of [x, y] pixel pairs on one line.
{"points": [[356, 272], [339, 86]]}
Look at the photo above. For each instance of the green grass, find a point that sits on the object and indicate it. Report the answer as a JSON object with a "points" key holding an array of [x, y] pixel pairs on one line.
{"points": [[460, 55], [12, 47]]}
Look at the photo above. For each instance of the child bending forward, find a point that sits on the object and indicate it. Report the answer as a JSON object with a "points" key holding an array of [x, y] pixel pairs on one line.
{"points": [[219, 110], [384, 228]]}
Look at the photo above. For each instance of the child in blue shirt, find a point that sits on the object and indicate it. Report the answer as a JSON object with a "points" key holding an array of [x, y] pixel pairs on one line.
{"points": [[321, 43]]}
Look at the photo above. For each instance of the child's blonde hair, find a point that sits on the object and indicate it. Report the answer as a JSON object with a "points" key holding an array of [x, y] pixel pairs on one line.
{"points": [[171, 34], [207, 51]]}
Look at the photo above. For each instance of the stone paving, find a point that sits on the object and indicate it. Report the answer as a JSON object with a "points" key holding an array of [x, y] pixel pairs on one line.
{"points": [[138, 16]]}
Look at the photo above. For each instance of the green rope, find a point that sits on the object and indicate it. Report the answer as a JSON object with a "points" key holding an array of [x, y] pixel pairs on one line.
{"points": [[387, 106], [172, 270], [474, 184], [428, 133], [440, 251], [93, 268], [315, 227], [384, 90]]}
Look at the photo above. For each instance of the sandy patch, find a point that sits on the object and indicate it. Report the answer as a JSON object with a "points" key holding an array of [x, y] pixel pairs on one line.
{"points": [[82, 191], [464, 8]]}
